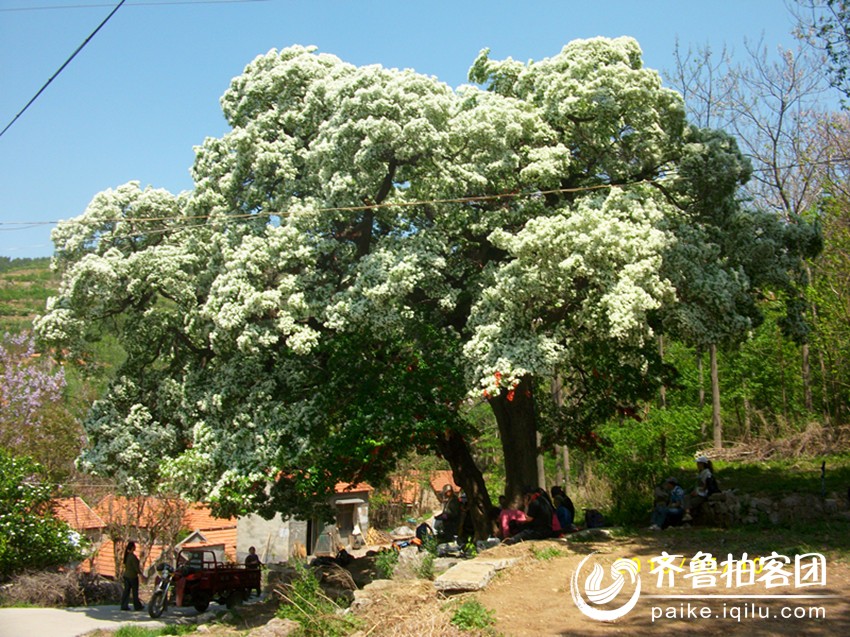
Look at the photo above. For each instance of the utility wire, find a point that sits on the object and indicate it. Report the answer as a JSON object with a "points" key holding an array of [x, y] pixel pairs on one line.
{"points": [[62, 68], [129, 4]]}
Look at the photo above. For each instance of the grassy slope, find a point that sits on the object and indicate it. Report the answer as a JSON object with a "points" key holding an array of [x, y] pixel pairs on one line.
{"points": [[25, 286]]}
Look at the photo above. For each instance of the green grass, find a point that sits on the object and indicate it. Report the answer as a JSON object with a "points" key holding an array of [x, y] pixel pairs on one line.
{"points": [[139, 631], [547, 553], [25, 286], [778, 477]]}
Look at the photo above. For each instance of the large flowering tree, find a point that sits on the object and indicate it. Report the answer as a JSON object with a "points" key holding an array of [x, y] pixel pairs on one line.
{"points": [[367, 249]]}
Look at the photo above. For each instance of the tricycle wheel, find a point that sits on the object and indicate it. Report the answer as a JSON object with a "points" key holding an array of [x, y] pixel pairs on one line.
{"points": [[234, 599], [202, 602], [157, 605]]}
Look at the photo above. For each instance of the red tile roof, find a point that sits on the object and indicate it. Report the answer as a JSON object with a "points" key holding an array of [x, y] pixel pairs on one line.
{"points": [[77, 514], [439, 479], [346, 487], [199, 517]]}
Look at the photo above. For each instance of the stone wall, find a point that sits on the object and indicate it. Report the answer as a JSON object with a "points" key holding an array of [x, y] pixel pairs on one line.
{"points": [[731, 508]]}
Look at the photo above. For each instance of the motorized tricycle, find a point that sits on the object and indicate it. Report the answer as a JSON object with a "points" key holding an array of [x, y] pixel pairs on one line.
{"points": [[200, 578]]}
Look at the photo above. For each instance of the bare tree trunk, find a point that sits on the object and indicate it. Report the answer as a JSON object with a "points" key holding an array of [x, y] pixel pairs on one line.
{"points": [[716, 421], [703, 431], [517, 420], [663, 389], [541, 464], [782, 386], [807, 378], [747, 421], [562, 452], [824, 388]]}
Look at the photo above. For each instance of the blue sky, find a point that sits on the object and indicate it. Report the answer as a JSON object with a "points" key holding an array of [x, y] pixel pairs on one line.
{"points": [[145, 90]]}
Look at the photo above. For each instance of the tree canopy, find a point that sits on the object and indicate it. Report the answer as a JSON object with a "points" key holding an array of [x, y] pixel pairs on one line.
{"points": [[368, 249]]}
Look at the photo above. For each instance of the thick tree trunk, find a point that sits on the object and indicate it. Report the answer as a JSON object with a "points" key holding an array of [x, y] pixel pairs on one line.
{"points": [[717, 422], [453, 447], [517, 420]]}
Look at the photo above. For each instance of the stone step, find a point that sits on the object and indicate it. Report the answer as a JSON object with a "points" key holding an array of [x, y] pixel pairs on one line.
{"points": [[471, 575]]}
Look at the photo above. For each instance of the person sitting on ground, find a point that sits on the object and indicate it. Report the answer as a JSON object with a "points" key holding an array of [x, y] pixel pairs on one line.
{"points": [[705, 487], [539, 512], [670, 510], [564, 509], [446, 523], [507, 515]]}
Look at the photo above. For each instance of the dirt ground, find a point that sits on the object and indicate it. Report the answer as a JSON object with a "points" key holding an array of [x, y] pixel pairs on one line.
{"points": [[534, 597]]}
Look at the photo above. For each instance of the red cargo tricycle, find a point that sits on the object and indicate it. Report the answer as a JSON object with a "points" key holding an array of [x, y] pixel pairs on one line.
{"points": [[200, 578]]}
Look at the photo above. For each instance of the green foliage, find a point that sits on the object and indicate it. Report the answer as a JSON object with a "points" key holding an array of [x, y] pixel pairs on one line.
{"points": [[305, 603], [639, 454], [425, 570], [30, 536], [385, 563], [473, 615]]}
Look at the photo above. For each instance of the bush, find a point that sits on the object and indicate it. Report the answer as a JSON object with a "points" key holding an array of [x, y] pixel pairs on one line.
{"points": [[59, 590], [426, 566], [472, 615], [385, 564], [305, 603], [30, 536]]}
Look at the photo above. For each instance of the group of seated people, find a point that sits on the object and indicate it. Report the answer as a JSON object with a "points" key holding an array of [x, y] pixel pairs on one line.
{"points": [[674, 507], [540, 516]]}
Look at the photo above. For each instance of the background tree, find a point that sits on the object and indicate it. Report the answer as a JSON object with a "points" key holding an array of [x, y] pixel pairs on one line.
{"points": [[823, 23], [772, 104]]}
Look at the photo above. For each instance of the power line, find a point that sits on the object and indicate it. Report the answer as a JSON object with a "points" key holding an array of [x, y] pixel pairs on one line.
{"points": [[357, 208], [62, 68], [129, 4]]}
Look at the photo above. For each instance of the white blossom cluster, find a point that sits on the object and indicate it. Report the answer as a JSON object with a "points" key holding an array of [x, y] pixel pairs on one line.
{"points": [[510, 215]]}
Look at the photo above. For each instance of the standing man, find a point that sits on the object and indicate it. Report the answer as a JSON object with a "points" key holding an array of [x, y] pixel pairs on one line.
{"points": [[252, 561]]}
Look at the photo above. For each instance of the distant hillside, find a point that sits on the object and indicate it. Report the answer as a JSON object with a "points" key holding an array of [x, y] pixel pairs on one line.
{"points": [[25, 285]]}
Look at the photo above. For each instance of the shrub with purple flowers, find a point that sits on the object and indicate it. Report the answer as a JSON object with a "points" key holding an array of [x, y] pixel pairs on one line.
{"points": [[34, 420]]}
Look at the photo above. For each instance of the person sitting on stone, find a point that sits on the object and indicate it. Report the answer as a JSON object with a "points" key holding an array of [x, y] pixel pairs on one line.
{"points": [[705, 487], [446, 524], [670, 510]]}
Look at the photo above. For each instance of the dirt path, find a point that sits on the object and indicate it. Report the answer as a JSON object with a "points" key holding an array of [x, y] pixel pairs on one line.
{"points": [[534, 597]]}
